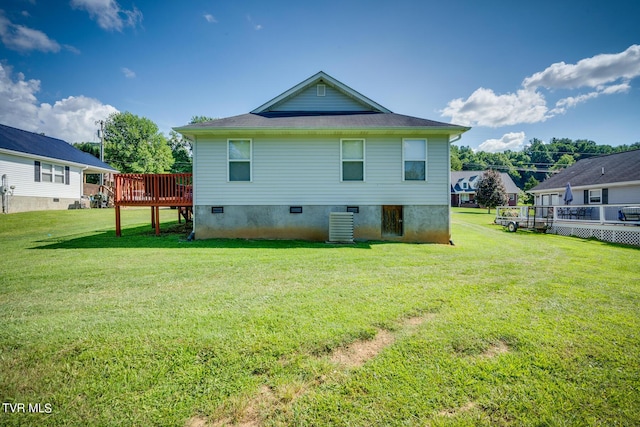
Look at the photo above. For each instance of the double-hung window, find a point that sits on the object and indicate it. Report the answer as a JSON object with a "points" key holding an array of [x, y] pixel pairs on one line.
{"points": [[414, 159], [352, 159], [239, 156], [595, 196], [49, 172]]}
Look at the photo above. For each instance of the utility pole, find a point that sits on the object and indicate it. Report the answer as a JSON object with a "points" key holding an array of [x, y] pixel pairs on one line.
{"points": [[101, 136]]}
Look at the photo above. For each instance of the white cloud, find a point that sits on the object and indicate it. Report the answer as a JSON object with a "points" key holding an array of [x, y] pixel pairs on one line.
{"points": [[513, 141], [485, 108], [24, 39], [128, 73], [571, 101], [210, 18], [606, 73], [590, 72], [108, 13], [71, 119]]}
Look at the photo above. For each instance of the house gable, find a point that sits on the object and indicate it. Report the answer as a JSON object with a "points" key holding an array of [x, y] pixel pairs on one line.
{"points": [[321, 93]]}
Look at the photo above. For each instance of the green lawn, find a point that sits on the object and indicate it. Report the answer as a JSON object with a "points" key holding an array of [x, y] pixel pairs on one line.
{"points": [[501, 329]]}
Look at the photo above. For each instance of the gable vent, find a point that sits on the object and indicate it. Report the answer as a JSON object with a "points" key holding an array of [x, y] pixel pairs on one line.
{"points": [[321, 90], [341, 227]]}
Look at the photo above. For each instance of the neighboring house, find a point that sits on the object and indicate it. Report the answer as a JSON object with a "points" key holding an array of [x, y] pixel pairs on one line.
{"points": [[464, 184], [321, 147], [609, 179], [40, 173]]}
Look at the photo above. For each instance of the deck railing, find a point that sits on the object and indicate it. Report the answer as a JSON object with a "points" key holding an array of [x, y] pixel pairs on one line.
{"points": [[599, 214], [154, 190], [610, 223], [134, 189]]}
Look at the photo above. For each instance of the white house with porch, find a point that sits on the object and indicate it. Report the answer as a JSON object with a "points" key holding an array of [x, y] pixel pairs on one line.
{"points": [[605, 203], [41, 173]]}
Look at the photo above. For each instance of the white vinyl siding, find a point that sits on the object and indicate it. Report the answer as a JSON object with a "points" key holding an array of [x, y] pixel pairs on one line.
{"points": [[306, 170], [20, 172], [310, 100]]}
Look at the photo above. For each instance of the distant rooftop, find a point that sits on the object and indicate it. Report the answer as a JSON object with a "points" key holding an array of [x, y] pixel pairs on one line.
{"points": [[36, 145]]}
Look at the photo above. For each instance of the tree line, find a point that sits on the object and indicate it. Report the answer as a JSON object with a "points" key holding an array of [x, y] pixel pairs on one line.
{"points": [[134, 144]]}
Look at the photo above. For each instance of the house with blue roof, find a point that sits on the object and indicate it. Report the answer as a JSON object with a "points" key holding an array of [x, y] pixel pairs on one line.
{"points": [[284, 169], [465, 183], [40, 173]]}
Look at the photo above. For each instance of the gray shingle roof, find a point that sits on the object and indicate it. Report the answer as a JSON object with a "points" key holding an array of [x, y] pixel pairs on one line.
{"points": [[618, 167], [44, 146], [324, 120]]}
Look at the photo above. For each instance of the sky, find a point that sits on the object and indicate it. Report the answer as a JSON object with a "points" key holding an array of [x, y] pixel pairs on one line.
{"points": [[511, 70]]}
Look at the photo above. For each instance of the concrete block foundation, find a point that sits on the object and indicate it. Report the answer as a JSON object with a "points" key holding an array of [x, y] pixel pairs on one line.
{"points": [[420, 223]]}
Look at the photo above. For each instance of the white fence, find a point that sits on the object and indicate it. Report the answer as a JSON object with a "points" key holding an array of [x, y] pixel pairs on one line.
{"points": [[609, 223]]}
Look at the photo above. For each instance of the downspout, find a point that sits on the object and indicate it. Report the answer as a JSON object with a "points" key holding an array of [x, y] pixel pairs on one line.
{"points": [[194, 149], [449, 182]]}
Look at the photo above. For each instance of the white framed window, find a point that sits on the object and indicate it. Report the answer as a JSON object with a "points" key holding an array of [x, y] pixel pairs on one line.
{"points": [[239, 159], [595, 196], [414, 159], [352, 152], [50, 172], [321, 90]]}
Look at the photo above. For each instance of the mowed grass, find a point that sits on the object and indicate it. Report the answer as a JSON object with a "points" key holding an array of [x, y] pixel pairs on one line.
{"points": [[501, 329]]}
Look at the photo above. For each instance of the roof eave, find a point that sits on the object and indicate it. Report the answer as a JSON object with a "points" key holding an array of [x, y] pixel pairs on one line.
{"points": [[190, 131], [98, 169], [586, 187]]}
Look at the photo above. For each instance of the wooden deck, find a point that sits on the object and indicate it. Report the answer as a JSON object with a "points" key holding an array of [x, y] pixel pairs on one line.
{"points": [[154, 190], [609, 223]]}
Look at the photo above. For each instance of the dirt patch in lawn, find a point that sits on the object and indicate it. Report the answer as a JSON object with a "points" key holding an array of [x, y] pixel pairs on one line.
{"points": [[358, 353], [497, 349], [449, 413], [269, 401], [197, 421]]}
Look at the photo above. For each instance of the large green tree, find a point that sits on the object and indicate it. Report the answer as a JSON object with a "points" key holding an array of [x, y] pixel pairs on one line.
{"points": [[134, 145]]}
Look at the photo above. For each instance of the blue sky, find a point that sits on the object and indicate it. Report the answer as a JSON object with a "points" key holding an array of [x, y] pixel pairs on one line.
{"points": [[512, 70]]}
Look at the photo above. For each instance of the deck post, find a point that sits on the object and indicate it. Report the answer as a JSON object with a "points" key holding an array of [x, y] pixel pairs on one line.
{"points": [[153, 217], [157, 220], [118, 230]]}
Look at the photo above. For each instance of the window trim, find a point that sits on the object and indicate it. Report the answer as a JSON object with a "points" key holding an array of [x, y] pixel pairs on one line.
{"points": [[230, 160], [52, 171], [363, 161], [405, 159], [599, 198]]}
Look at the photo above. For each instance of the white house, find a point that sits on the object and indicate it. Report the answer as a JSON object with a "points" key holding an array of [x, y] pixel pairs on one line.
{"points": [[600, 180], [464, 184], [39, 172], [321, 147]]}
